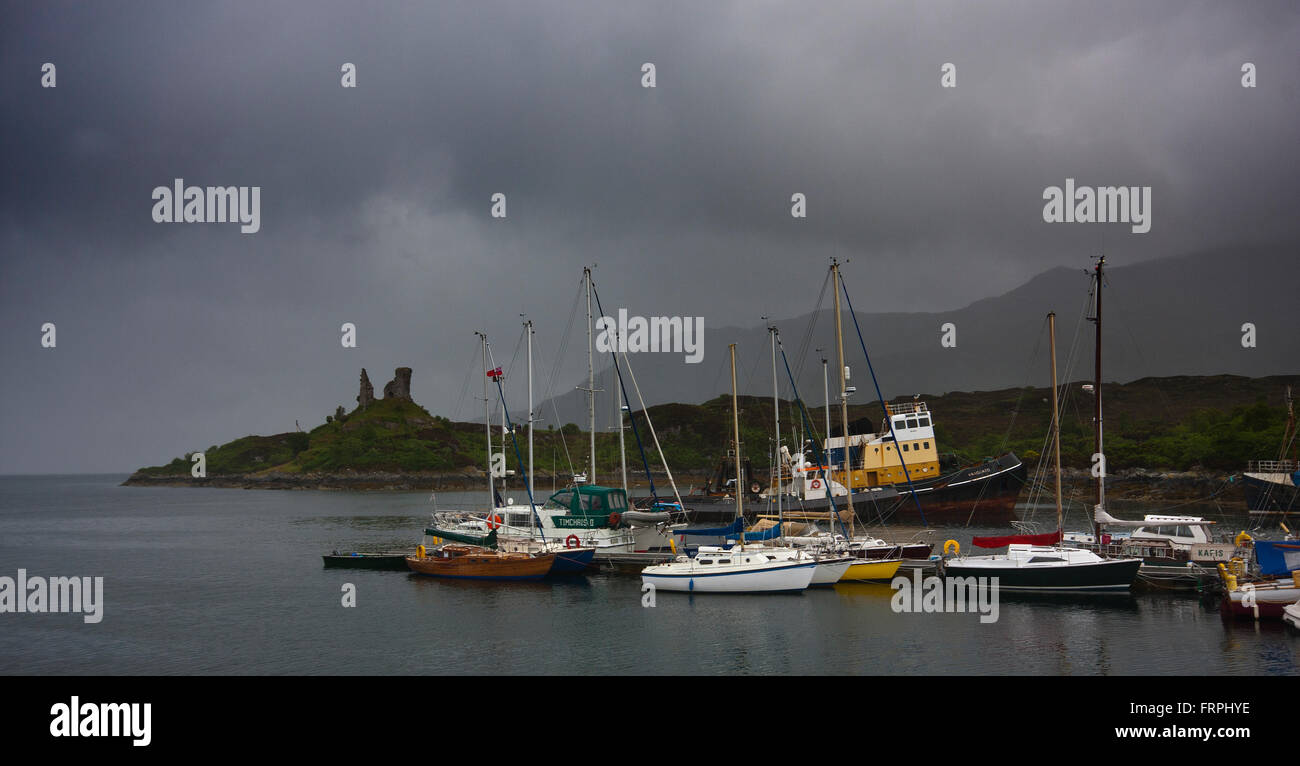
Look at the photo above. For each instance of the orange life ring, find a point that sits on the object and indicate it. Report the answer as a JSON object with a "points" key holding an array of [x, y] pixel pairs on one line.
{"points": [[571, 541], [615, 518], [493, 521]]}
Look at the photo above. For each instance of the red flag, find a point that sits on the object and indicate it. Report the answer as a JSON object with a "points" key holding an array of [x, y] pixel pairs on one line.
{"points": [[494, 374]]}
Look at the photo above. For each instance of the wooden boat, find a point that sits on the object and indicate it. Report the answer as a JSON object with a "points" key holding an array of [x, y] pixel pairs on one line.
{"points": [[389, 561], [471, 562]]}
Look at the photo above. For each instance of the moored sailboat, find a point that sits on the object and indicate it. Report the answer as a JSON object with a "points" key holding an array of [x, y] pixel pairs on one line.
{"points": [[470, 557], [1041, 562], [739, 569]]}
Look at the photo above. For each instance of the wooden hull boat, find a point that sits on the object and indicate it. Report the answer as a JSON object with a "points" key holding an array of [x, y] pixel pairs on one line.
{"points": [[470, 562]]}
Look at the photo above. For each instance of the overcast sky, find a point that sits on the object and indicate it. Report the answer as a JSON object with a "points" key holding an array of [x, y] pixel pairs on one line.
{"points": [[375, 201]]}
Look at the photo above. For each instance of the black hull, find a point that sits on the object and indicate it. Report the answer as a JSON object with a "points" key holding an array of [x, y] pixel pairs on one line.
{"points": [[983, 494], [385, 561], [1269, 497], [1102, 576]]}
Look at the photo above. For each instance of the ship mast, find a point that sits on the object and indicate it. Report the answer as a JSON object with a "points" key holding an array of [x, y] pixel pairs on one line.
{"points": [[1096, 390], [1056, 420], [844, 398], [776, 421], [591, 383], [735, 425], [487, 420], [528, 324]]}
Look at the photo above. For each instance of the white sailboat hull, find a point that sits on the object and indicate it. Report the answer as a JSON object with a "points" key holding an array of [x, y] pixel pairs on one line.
{"points": [[689, 577]]}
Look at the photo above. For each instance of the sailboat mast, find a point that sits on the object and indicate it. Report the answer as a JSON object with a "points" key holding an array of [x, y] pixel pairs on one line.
{"points": [[591, 384], [1056, 419], [776, 422], [844, 399], [622, 449], [529, 328], [487, 421], [826, 392], [1096, 390], [735, 426]]}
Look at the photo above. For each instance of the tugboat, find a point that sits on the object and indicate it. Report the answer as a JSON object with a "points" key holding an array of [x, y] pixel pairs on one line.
{"points": [[983, 493]]}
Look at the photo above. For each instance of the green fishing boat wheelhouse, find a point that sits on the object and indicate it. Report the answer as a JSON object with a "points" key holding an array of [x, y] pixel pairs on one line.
{"points": [[589, 506]]}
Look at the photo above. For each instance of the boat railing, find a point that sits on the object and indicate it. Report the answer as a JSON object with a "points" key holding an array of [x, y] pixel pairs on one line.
{"points": [[1272, 466], [907, 408]]}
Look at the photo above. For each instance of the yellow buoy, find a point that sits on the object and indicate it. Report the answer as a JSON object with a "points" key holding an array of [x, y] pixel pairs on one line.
{"points": [[954, 546], [419, 552]]}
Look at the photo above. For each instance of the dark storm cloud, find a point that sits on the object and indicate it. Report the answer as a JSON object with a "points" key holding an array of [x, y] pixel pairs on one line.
{"points": [[375, 200]]}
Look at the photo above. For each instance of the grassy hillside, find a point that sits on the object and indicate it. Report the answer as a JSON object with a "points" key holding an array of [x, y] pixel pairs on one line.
{"points": [[1214, 423]]}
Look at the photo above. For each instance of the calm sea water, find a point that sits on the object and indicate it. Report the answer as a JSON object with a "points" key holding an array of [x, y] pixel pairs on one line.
{"points": [[231, 582]]}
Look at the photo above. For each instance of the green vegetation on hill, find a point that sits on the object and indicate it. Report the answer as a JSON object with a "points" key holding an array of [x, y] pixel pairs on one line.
{"points": [[1182, 423]]}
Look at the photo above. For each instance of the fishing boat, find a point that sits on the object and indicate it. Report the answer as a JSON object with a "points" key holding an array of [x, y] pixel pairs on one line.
{"points": [[1041, 562], [739, 569]]}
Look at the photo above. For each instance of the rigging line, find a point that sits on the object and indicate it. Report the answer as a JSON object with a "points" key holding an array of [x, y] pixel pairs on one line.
{"points": [[1118, 307], [631, 415], [464, 389], [562, 353], [1020, 398], [809, 332], [806, 341], [519, 458], [555, 412], [897, 449], [650, 424], [821, 458]]}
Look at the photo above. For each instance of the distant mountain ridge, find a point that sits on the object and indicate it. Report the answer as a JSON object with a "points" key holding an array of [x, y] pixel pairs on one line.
{"points": [[1181, 315]]}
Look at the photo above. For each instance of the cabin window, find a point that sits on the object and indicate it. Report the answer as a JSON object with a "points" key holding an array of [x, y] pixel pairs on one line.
{"points": [[724, 561], [911, 423], [560, 501], [706, 561], [905, 447], [1183, 532], [924, 422], [616, 501], [927, 445]]}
